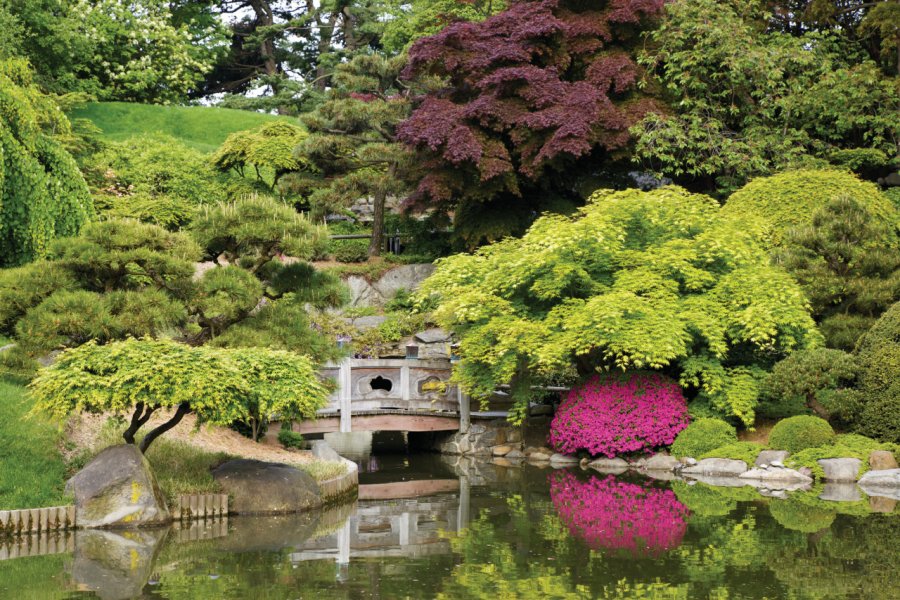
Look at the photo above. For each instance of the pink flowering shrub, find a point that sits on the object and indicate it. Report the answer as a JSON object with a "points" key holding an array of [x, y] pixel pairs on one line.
{"points": [[608, 514], [619, 414]]}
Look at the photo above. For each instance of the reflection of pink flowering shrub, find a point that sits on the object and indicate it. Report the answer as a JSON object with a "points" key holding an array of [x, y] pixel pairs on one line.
{"points": [[617, 515], [616, 415]]}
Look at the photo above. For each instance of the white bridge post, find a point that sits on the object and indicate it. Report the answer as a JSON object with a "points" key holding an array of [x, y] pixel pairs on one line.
{"points": [[346, 396]]}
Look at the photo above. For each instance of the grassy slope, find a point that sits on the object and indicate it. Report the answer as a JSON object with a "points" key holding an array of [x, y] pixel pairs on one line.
{"points": [[201, 127], [32, 471]]}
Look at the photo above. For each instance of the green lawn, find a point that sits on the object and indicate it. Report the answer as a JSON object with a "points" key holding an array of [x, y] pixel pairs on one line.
{"points": [[201, 127], [32, 472]]}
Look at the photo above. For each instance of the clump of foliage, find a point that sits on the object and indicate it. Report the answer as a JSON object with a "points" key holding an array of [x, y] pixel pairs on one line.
{"points": [[350, 251], [618, 516], [745, 102], [42, 193], [619, 415], [800, 432], [635, 280], [879, 379], [529, 97], [799, 517], [290, 439], [790, 200], [146, 376], [745, 451], [847, 445], [702, 436], [268, 149], [848, 263], [817, 379], [710, 500], [153, 178]]}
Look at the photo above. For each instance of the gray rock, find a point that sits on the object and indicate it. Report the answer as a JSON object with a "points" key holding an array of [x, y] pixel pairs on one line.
{"points": [[404, 277], [885, 478], [882, 460], [562, 459], [539, 457], [689, 461], [258, 487], [716, 467], [366, 323], [514, 455], [115, 567], [609, 465], [432, 336], [777, 464], [362, 293], [323, 451], [840, 469], [662, 462], [118, 489], [767, 457], [638, 463], [776, 475], [840, 492]]}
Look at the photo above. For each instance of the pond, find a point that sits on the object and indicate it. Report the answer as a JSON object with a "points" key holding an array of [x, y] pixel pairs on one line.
{"points": [[436, 527]]}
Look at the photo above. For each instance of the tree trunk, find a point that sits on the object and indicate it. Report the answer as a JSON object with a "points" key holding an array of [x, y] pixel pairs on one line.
{"points": [[183, 409], [817, 408], [138, 419], [377, 225]]}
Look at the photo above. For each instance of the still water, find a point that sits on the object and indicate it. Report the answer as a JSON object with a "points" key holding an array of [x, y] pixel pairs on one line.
{"points": [[433, 527]]}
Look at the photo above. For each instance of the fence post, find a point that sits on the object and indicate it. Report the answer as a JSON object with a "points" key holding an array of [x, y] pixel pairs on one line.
{"points": [[346, 397]]}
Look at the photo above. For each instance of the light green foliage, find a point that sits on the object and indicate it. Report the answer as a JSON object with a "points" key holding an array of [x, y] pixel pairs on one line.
{"points": [[746, 102], [799, 517], [269, 148], [848, 445], [712, 501], [255, 229], [32, 472], [820, 379], [635, 280], [790, 200], [411, 20], [702, 436], [879, 380], [121, 377], [203, 128], [376, 341], [799, 433], [42, 193], [116, 49], [154, 178], [745, 451], [27, 286]]}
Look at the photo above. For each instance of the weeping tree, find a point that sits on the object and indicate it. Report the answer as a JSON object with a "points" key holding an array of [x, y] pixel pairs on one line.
{"points": [[42, 193], [150, 377]]}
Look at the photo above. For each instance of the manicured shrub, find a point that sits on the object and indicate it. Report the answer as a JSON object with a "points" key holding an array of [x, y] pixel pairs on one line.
{"points": [[619, 414], [816, 379], [745, 451], [799, 433], [290, 439], [703, 435], [351, 251], [608, 514], [790, 199], [879, 379]]}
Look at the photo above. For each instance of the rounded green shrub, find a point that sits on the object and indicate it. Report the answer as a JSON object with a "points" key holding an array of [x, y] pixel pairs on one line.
{"points": [[703, 435], [788, 200], [351, 251], [745, 451], [878, 354], [799, 433]]}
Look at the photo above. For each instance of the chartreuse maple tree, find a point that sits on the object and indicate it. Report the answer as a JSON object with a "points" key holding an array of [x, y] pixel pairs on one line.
{"points": [[655, 280]]}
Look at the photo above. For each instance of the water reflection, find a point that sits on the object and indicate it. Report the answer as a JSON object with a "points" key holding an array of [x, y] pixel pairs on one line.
{"points": [[456, 528]]}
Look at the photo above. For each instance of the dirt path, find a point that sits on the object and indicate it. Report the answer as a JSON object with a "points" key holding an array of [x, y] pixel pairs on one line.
{"points": [[90, 431]]}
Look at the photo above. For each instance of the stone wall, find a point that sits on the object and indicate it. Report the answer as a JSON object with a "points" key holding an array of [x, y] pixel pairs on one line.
{"points": [[404, 277]]}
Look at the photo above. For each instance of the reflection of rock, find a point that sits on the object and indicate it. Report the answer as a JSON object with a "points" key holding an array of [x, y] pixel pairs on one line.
{"points": [[609, 465], [716, 467], [115, 565], [117, 489], [840, 469], [561, 460], [881, 504], [258, 487], [269, 533], [718, 480], [840, 492], [766, 487]]}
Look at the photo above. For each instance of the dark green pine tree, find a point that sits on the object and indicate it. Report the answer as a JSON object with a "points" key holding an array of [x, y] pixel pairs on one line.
{"points": [[849, 267], [351, 150]]}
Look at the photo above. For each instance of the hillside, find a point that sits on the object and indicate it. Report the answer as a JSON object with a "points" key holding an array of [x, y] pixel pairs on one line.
{"points": [[200, 127]]}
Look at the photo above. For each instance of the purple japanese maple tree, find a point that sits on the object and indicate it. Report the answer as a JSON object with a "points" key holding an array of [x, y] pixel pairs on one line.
{"points": [[527, 93]]}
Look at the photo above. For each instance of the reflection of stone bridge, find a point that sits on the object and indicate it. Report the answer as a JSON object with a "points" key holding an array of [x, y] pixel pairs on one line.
{"points": [[391, 395], [404, 519]]}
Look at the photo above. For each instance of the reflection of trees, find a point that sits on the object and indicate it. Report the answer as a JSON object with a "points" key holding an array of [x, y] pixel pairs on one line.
{"points": [[609, 514]]}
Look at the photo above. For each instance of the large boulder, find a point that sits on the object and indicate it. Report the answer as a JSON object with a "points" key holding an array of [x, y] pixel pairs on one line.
{"points": [[884, 483], [767, 457], [840, 469], [774, 475], [258, 487], [716, 467], [882, 460], [118, 489], [662, 462]]}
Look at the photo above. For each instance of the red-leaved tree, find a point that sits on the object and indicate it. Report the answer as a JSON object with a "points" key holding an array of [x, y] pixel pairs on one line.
{"points": [[532, 95]]}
